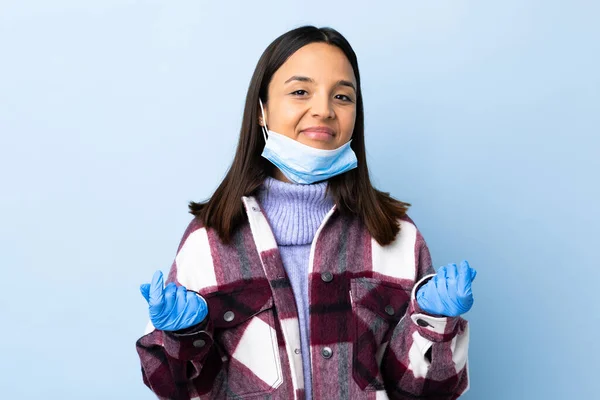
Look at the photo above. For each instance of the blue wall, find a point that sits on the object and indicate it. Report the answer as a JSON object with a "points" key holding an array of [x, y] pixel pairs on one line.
{"points": [[114, 114]]}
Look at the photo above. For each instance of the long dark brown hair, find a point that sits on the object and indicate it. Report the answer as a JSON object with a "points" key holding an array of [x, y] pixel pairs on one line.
{"points": [[351, 191]]}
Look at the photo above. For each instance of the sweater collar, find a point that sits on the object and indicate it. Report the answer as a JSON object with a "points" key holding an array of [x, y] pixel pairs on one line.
{"points": [[294, 211]]}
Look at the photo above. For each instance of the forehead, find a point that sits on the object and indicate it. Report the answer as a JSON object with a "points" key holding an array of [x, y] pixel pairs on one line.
{"points": [[322, 62]]}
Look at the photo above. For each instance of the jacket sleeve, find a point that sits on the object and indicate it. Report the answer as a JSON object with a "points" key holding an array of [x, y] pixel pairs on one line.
{"points": [[172, 361], [426, 357]]}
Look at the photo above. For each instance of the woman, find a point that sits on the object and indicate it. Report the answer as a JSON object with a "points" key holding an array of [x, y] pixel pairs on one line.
{"points": [[297, 279]]}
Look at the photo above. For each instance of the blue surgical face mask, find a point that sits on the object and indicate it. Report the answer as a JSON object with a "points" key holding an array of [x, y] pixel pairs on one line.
{"points": [[304, 164]]}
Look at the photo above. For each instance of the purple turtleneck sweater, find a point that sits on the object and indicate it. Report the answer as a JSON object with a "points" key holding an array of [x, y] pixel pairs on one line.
{"points": [[295, 212]]}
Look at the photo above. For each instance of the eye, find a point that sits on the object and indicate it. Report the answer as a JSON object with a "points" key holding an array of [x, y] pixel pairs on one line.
{"points": [[299, 92], [343, 97]]}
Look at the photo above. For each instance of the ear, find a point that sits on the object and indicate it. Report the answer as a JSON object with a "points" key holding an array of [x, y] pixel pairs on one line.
{"points": [[260, 117]]}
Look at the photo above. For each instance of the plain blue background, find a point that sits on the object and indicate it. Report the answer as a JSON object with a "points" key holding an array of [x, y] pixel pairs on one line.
{"points": [[115, 114]]}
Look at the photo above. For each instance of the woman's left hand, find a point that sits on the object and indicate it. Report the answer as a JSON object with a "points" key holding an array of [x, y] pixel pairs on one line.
{"points": [[448, 293]]}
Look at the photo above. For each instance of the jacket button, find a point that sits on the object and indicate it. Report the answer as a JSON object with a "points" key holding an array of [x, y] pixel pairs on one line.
{"points": [[327, 276], [297, 351], [229, 316], [422, 322], [199, 343], [326, 352], [389, 310]]}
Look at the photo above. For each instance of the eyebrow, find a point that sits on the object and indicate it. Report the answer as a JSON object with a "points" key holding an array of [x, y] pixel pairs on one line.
{"points": [[341, 82]]}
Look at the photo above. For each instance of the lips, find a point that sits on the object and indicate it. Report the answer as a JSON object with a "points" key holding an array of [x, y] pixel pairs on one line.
{"points": [[320, 129], [319, 133]]}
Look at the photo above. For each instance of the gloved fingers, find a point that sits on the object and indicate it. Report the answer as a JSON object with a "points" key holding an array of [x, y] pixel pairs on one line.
{"points": [[463, 269], [473, 274], [194, 300], [442, 281], [465, 278], [197, 300], [441, 272], [190, 297], [424, 294], [465, 295], [440, 276], [451, 275], [156, 293], [145, 289], [430, 288], [170, 297], [445, 288], [180, 302], [190, 315], [452, 284]]}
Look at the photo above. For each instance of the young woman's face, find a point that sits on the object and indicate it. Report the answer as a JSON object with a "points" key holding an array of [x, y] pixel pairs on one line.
{"points": [[312, 97]]}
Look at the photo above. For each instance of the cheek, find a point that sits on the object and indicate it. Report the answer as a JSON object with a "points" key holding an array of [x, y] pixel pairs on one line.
{"points": [[347, 121], [286, 120]]}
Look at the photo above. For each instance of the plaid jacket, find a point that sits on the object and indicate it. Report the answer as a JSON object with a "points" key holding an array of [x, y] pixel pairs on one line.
{"points": [[368, 338]]}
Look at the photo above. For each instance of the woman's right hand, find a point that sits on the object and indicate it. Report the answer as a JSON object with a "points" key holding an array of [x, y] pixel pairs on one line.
{"points": [[173, 308]]}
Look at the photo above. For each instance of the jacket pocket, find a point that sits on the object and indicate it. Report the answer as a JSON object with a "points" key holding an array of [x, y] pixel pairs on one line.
{"points": [[246, 338], [377, 306]]}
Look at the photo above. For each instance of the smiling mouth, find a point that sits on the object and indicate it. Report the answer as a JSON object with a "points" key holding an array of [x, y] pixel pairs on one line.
{"points": [[320, 135], [319, 132]]}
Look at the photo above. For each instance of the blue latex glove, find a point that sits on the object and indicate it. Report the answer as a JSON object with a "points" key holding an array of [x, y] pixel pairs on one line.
{"points": [[173, 308], [448, 293]]}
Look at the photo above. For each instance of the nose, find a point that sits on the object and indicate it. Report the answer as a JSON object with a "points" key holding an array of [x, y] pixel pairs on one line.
{"points": [[322, 106]]}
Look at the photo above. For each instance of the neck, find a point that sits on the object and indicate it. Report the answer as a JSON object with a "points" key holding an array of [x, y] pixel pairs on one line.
{"points": [[277, 174]]}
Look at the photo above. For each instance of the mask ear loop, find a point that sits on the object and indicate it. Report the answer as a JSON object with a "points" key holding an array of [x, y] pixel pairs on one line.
{"points": [[264, 126]]}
